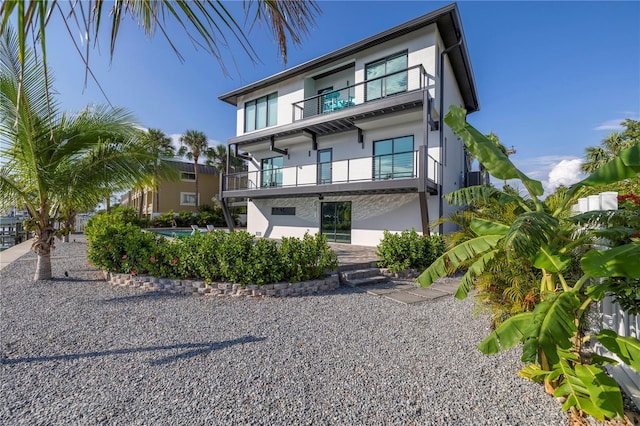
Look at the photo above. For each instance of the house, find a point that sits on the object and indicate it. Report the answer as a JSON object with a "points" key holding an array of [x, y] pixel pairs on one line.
{"points": [[352, 143], [176, 196]]}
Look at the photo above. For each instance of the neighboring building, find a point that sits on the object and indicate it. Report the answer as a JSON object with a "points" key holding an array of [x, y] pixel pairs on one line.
{"points": [[176, 196], [349, 144]]}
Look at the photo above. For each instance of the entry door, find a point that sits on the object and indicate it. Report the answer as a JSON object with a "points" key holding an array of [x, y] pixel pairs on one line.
{"points": [[336, 221]]}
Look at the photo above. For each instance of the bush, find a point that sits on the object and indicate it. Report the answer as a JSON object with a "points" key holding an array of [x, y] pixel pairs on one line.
{"points": [[121, 247], [307, 258], [408, 249], [116, 246]]}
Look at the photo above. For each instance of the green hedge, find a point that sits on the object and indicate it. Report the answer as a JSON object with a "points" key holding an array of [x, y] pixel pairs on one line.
{"points": [[409, 250], [121, 247]]}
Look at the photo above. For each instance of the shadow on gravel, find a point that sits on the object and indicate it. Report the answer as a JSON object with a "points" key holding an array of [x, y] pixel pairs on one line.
{"points": [[195, 350]]}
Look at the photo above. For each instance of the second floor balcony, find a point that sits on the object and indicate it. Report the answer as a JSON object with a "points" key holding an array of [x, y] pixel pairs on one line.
{"points": [[410, 171]]}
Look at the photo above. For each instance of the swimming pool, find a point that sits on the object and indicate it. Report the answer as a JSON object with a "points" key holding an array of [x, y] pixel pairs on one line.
{"points": [[172, 233]]}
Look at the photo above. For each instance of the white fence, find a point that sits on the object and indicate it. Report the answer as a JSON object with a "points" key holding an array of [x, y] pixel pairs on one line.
{"points": [[611, 315]]}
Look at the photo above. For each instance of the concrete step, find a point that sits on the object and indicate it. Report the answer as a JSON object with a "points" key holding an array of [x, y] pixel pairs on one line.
{"points": [[360, 273], [360, 277]]}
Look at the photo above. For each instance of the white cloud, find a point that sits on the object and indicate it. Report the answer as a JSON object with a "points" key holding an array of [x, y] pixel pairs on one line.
{"points": [[614, 124], [551, 170], [566, 172], [610, 125]]}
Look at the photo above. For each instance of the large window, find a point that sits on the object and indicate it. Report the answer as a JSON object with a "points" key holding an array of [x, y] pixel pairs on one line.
{"points": [[394, 67], [393, 158], [272, 172], [261, 112]]}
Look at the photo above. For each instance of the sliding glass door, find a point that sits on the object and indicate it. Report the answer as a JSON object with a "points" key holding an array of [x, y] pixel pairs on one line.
{"points": [[336, 221]]}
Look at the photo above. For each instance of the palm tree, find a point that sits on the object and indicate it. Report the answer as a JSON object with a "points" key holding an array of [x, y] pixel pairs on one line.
{"points": [[160, 147], [53, 160], [195, 145], [598, 156], [219, 160], [209, 25]]}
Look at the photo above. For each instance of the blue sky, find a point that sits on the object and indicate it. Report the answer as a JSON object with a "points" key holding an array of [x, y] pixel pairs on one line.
{"points": [[552, 77]]}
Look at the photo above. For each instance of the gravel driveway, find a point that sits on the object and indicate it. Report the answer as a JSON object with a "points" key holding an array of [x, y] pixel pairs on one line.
{"points": [[78, 351]]}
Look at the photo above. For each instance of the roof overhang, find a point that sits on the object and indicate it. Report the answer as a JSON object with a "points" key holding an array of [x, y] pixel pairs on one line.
{"points": [[449, 26]]}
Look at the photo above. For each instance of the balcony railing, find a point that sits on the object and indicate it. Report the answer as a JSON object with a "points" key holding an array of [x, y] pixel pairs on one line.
{"points": [[407, 80], [386, 167]]}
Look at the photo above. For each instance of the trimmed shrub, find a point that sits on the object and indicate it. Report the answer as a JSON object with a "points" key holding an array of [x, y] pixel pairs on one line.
{"points": [[409, 250], [306, 259], [117, 246]]}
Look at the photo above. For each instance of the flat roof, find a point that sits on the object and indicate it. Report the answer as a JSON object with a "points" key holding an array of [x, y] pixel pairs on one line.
{"points": [[449, 26]]}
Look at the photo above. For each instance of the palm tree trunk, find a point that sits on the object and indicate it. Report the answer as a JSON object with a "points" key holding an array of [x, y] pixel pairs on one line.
{"points": [[42, 247], [140, 203], [195, 172]]}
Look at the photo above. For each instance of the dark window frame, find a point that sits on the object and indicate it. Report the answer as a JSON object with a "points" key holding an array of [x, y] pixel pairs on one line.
{"points": [[393, 154], [254, 102], [383, 79]]}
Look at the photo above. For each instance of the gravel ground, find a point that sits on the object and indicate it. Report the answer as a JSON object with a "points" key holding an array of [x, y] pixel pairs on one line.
{"points": [[78, 351]]}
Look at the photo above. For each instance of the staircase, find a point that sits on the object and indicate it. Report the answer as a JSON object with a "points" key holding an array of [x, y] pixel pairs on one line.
{"points": [[361, 274]]}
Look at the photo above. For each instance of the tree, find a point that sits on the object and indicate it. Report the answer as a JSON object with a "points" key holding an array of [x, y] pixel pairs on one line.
{"points": [[219, 160], [546, 235], [56, 161], [598, 156], [160, 147], [195, 145], [207, 24]]}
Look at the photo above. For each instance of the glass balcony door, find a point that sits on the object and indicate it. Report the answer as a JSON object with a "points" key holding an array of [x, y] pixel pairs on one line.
{"points": [[393, 158], [324, 166], [382, 86], [336, 221], [272, 172]]}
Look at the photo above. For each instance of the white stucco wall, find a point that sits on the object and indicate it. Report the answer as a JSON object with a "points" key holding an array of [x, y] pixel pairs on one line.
{"points": [[371, 215]]}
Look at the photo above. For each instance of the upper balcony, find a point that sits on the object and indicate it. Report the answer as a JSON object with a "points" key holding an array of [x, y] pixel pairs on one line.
{"points": [[411, 171], [336, 110], [373, 89]]}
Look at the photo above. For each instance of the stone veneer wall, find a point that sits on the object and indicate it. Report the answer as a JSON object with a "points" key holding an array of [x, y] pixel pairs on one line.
{"points": [[200, 288]]}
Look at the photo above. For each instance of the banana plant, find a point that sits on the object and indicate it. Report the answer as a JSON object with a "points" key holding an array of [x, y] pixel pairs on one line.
{"points": [[545, 235]]}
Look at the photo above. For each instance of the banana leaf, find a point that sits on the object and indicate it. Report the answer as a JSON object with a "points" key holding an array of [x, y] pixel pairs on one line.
{"points": [[487, 227], [474, 270], [488, 154], [529, 231], [577, 393], [507, 335], [625, 347], [603, 391], [552, 327], [621, 261], [625, 165], [452, 259], [545, 259]]}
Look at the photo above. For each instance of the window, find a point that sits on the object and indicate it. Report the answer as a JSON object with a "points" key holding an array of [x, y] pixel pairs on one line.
{"points": [[261, 112], [380, 86], [272, 172], [283, 211], [187, 176], [324, 166], [393, 158], [188, 199]]}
